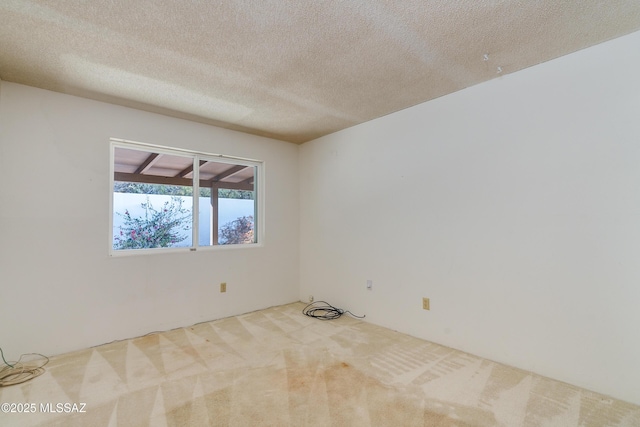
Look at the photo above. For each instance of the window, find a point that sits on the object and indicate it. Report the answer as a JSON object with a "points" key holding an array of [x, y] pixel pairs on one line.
{"points": [[153, 206]]}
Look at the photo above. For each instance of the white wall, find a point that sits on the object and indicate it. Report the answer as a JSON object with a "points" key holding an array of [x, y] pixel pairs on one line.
{"points": [[514, 205], [59, 289]]}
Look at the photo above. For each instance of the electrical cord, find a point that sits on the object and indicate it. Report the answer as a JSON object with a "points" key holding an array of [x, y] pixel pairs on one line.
{"points": [[19, 372], [325, 312]]}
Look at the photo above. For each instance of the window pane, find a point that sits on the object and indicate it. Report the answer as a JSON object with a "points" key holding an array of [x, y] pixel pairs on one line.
{"points": [[152, 200], [154, 205], [227, 211]]}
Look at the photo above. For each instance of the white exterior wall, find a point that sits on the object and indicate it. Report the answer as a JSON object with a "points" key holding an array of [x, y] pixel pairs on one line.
{"points": [[513, 205], [59, 289]]}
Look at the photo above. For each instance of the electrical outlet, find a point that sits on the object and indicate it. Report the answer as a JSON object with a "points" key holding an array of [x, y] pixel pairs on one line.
{"points": [[369, 284], [310, 298], [223, 287], [425, 303]]}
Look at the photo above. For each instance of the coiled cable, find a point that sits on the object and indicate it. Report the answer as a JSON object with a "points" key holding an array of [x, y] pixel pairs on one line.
{"points": [[19, 372], [326, 311]]}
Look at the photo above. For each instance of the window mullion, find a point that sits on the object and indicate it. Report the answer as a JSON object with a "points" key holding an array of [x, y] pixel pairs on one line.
{"points": [[196, 201]]}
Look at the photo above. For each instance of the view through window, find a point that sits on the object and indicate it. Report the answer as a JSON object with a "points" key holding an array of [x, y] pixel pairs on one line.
{"points": [[153, 203]]}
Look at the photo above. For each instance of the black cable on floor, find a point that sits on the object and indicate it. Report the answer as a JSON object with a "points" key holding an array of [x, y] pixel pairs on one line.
{"points": [[326, 311]]}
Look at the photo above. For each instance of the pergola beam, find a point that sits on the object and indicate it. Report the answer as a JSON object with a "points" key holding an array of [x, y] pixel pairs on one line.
{"points": [[248, 181], [149, 161], [184, 182], [186, 171], [231, 171]]}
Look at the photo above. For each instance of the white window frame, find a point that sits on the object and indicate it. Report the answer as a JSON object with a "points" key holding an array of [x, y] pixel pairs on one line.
{"points": [[196, 156]]}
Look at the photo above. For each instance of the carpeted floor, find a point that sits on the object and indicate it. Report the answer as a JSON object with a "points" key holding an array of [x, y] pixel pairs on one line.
{"points": [[276, 367]]}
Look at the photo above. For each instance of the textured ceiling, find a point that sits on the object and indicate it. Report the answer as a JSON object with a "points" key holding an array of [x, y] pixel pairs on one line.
{"points": [[291, 70]]}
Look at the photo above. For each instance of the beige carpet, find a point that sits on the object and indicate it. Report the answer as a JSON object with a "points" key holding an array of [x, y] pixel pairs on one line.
{"points": [[276, 367]]}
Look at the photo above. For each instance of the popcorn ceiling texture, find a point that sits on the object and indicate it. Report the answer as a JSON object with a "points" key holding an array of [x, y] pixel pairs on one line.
{"points": [[289, 70]]}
